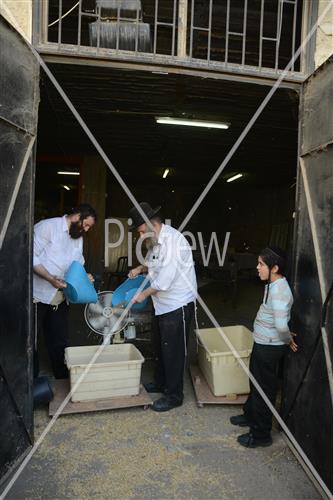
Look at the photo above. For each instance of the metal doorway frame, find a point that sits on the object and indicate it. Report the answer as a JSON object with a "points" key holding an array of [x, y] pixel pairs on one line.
{"points": [[308, 385], [18, 130]]}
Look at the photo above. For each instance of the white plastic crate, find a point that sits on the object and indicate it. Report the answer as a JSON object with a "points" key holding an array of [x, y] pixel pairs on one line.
{"points": [[116, 371], [220, 368]]}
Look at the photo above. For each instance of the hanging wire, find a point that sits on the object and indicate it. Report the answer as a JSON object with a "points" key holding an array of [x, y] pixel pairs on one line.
{"points": [[64, 15]]}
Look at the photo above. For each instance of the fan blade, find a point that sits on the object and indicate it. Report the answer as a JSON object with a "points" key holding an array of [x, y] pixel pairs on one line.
{"points": [[95, 308], [107, 299], [114, 323], [98, 323]]}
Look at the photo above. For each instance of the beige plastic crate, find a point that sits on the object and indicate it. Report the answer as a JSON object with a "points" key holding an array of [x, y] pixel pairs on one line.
{"points": [[116, 371], [217, 363]]}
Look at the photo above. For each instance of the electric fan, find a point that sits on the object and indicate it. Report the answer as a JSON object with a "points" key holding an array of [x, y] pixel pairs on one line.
{"points": [[103, 318]]}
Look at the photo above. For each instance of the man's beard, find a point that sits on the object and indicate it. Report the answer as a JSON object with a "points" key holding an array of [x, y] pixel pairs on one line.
{"points": [[76, 230], [150, 242]]}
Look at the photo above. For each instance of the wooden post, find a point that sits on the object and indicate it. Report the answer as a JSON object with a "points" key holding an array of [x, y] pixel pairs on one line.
{"points": [[93, 190]]}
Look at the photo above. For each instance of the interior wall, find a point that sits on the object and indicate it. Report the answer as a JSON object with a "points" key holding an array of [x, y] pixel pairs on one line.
{"points": [[255, 216], [93, 191]]}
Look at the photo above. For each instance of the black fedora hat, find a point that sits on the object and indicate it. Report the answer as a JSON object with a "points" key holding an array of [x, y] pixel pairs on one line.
{"points": [[137, 218]]}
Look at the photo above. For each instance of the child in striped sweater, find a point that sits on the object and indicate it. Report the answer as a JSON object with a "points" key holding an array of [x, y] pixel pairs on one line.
{"points": [[271, 337]]}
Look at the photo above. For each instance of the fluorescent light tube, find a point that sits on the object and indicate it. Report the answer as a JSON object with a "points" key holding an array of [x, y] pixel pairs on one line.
{"points": [[234, 177], [65, 172], [165, 173], [167, 120], [66, 187]]}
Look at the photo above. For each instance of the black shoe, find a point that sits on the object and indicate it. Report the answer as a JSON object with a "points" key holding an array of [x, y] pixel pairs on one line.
{"points": [[240, 420], [249, 441], [152, 387], [164, 404]]}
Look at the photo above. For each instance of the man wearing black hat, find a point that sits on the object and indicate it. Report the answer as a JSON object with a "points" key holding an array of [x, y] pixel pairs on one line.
{"points": [[173, 288]]}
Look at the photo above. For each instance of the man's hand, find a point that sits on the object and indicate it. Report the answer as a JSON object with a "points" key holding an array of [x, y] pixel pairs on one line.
{"points": [[136, 271], [57, 282], [140, 297], [292, 344], [91, 278]]}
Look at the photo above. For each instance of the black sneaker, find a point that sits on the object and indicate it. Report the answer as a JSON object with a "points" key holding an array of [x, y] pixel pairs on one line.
{"points": [[249, 441], [240, 420], [165, 404]]}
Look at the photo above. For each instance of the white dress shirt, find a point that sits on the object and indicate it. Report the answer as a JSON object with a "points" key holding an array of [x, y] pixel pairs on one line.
{"points": [[55, 250], [171, 271]]}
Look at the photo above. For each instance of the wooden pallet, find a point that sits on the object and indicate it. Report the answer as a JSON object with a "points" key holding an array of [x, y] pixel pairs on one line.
{"points": [[61, 390], [205, 396]]}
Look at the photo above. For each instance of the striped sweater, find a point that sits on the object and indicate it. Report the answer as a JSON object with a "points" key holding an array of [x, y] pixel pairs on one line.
{"points": [[271, 323]]}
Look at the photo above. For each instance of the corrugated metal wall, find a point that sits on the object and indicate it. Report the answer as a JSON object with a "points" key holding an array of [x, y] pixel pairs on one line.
{"points": [[309, 382], [19, 94]]}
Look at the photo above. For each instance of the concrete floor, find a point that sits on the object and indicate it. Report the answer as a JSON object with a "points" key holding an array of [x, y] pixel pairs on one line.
{"points": [[185, 453]]}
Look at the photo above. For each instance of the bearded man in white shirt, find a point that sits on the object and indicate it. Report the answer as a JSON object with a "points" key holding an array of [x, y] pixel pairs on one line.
{"points": [[173, 289], [57, 242]]}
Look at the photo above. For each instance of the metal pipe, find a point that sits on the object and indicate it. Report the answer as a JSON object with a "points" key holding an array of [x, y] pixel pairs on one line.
{"points": [[227, 33], [155, 25], [45, 21], [191, 29], [261, 32], [209, 29], [182, 28], [98, 28], [174, 28], [79, 26], [294, 33], [118, 27], [278, 32], [137, 30], [244, 32], [60, 24]]}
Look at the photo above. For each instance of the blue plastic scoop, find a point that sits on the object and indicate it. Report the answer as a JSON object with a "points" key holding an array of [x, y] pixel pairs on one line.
{"points": [[126, 291]]}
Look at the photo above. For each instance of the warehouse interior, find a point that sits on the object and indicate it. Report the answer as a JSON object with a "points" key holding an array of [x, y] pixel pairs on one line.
{"points": [[120, 108]]}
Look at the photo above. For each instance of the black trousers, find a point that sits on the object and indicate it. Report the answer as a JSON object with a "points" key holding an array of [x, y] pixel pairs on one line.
{"points": [[52, 323], [170, 336], [264, 366]]}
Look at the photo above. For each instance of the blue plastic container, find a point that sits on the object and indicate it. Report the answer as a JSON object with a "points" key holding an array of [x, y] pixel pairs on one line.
{"points": [[126, 291], [79, 288]]}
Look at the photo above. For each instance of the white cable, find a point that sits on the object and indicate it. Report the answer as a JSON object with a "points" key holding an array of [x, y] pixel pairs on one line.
{"points": [[62, 17]]}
